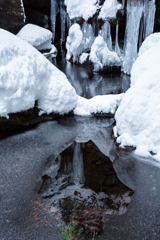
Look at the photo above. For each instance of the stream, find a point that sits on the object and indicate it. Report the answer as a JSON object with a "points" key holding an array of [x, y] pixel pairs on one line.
{"points": [[70, 171]]}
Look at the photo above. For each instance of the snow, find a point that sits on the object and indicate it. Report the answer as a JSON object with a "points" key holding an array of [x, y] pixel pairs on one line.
{"points": [[98, 104], [74, 42], [52, 52], [83, 58], [26, 75], [38, 37], [101, 56], [150, 42], [139, 112], [109, 9], [79, 8]]}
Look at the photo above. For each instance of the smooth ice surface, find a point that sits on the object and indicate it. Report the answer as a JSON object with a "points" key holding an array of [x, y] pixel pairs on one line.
{"points": [[150, 42], [139, 112], [101, 56], [79, 8], [26, 75], [37, 36], [98, 104], [109, 9]]}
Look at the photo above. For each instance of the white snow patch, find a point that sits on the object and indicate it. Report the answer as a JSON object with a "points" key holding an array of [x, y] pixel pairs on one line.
{"points": [[98, 104], [52, 52], [79, 8], [109, 9], [150, 42], [101, 56], [38, 37], [26, 75], [139, 112]]}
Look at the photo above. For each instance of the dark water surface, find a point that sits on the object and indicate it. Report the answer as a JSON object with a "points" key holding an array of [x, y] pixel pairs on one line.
{"points": [[71, 171]]}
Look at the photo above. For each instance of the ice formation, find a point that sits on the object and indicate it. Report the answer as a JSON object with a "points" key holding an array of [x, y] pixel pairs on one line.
{"points": [[99, 104], [140, 22], [26, 75], [38, 37], [101, 56], [22, 5], [139, 112]]}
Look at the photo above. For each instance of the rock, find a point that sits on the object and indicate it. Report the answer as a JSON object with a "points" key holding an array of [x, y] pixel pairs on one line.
{"points": [[35, 17], [11, 15], [40, 5]]}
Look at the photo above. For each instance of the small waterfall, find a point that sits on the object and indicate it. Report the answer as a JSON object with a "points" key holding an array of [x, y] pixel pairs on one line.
{"points": [[117, 49], [78, 166], [63, 21], [88, 36], [54, 11]]}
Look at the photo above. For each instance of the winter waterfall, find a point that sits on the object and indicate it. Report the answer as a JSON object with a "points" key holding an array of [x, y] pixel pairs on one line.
{"points": [[139, 25]]}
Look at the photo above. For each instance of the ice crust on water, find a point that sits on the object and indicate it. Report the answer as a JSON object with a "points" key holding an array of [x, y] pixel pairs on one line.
{"points": [[98, 104], [38, 37], [109, 9], [26, 75], [101, 56], [139, 112]]}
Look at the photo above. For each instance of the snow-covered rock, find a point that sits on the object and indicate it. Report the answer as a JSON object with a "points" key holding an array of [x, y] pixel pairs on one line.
{"points": [[109, 9], [79, 8], [149, 42], [101, 56], [26, 75], [52, 52], [38, 37], [139, 112], [106, 104]]}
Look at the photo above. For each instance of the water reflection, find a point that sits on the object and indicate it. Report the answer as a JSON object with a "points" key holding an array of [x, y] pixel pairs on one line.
{"points": [[86, 184], [89, 84]]}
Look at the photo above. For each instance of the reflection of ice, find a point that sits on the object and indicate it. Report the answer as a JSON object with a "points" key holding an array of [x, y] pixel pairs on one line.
{"points": [[78, 167]]}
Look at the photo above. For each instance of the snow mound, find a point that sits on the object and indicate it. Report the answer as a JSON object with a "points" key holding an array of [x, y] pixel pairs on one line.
{"points": [[139, 112], [74, 42], [149, 42], [79, 8], [109, 9], [26, 75], [38, 37], [101, 56], [98, 104]]}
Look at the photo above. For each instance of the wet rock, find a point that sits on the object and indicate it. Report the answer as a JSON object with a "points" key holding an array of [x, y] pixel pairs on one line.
{"points": [[11, 15], [35, 17], [40, 5]]}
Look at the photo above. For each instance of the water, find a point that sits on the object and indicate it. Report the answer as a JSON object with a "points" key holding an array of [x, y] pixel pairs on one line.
{"points": [[89, 84]]}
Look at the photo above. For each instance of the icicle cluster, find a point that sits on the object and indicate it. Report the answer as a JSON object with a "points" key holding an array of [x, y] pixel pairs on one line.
{"points": [[139, 25]]}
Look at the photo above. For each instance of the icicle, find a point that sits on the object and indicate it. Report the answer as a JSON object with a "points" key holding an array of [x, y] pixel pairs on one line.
{"points": [[149, 15], [134, 13], [88, 36], [106, 34], [53, 16], [117, 49], [63, 21]]}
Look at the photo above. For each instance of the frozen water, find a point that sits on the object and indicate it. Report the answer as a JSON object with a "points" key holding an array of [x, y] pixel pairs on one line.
{"points": [[109, 9], [54, 11], [106, 34]]}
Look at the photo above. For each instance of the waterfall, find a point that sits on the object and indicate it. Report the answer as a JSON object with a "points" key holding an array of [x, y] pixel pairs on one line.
{"points": [[140, 22], [88, 36], [63, 21]]}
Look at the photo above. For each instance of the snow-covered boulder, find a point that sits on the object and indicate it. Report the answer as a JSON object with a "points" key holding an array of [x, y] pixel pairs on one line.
{"points": [[109, 9], [101, 56], [79, 8], [149, 42], [26, 75], [38, 37], [138, 116], [106, 104]]}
